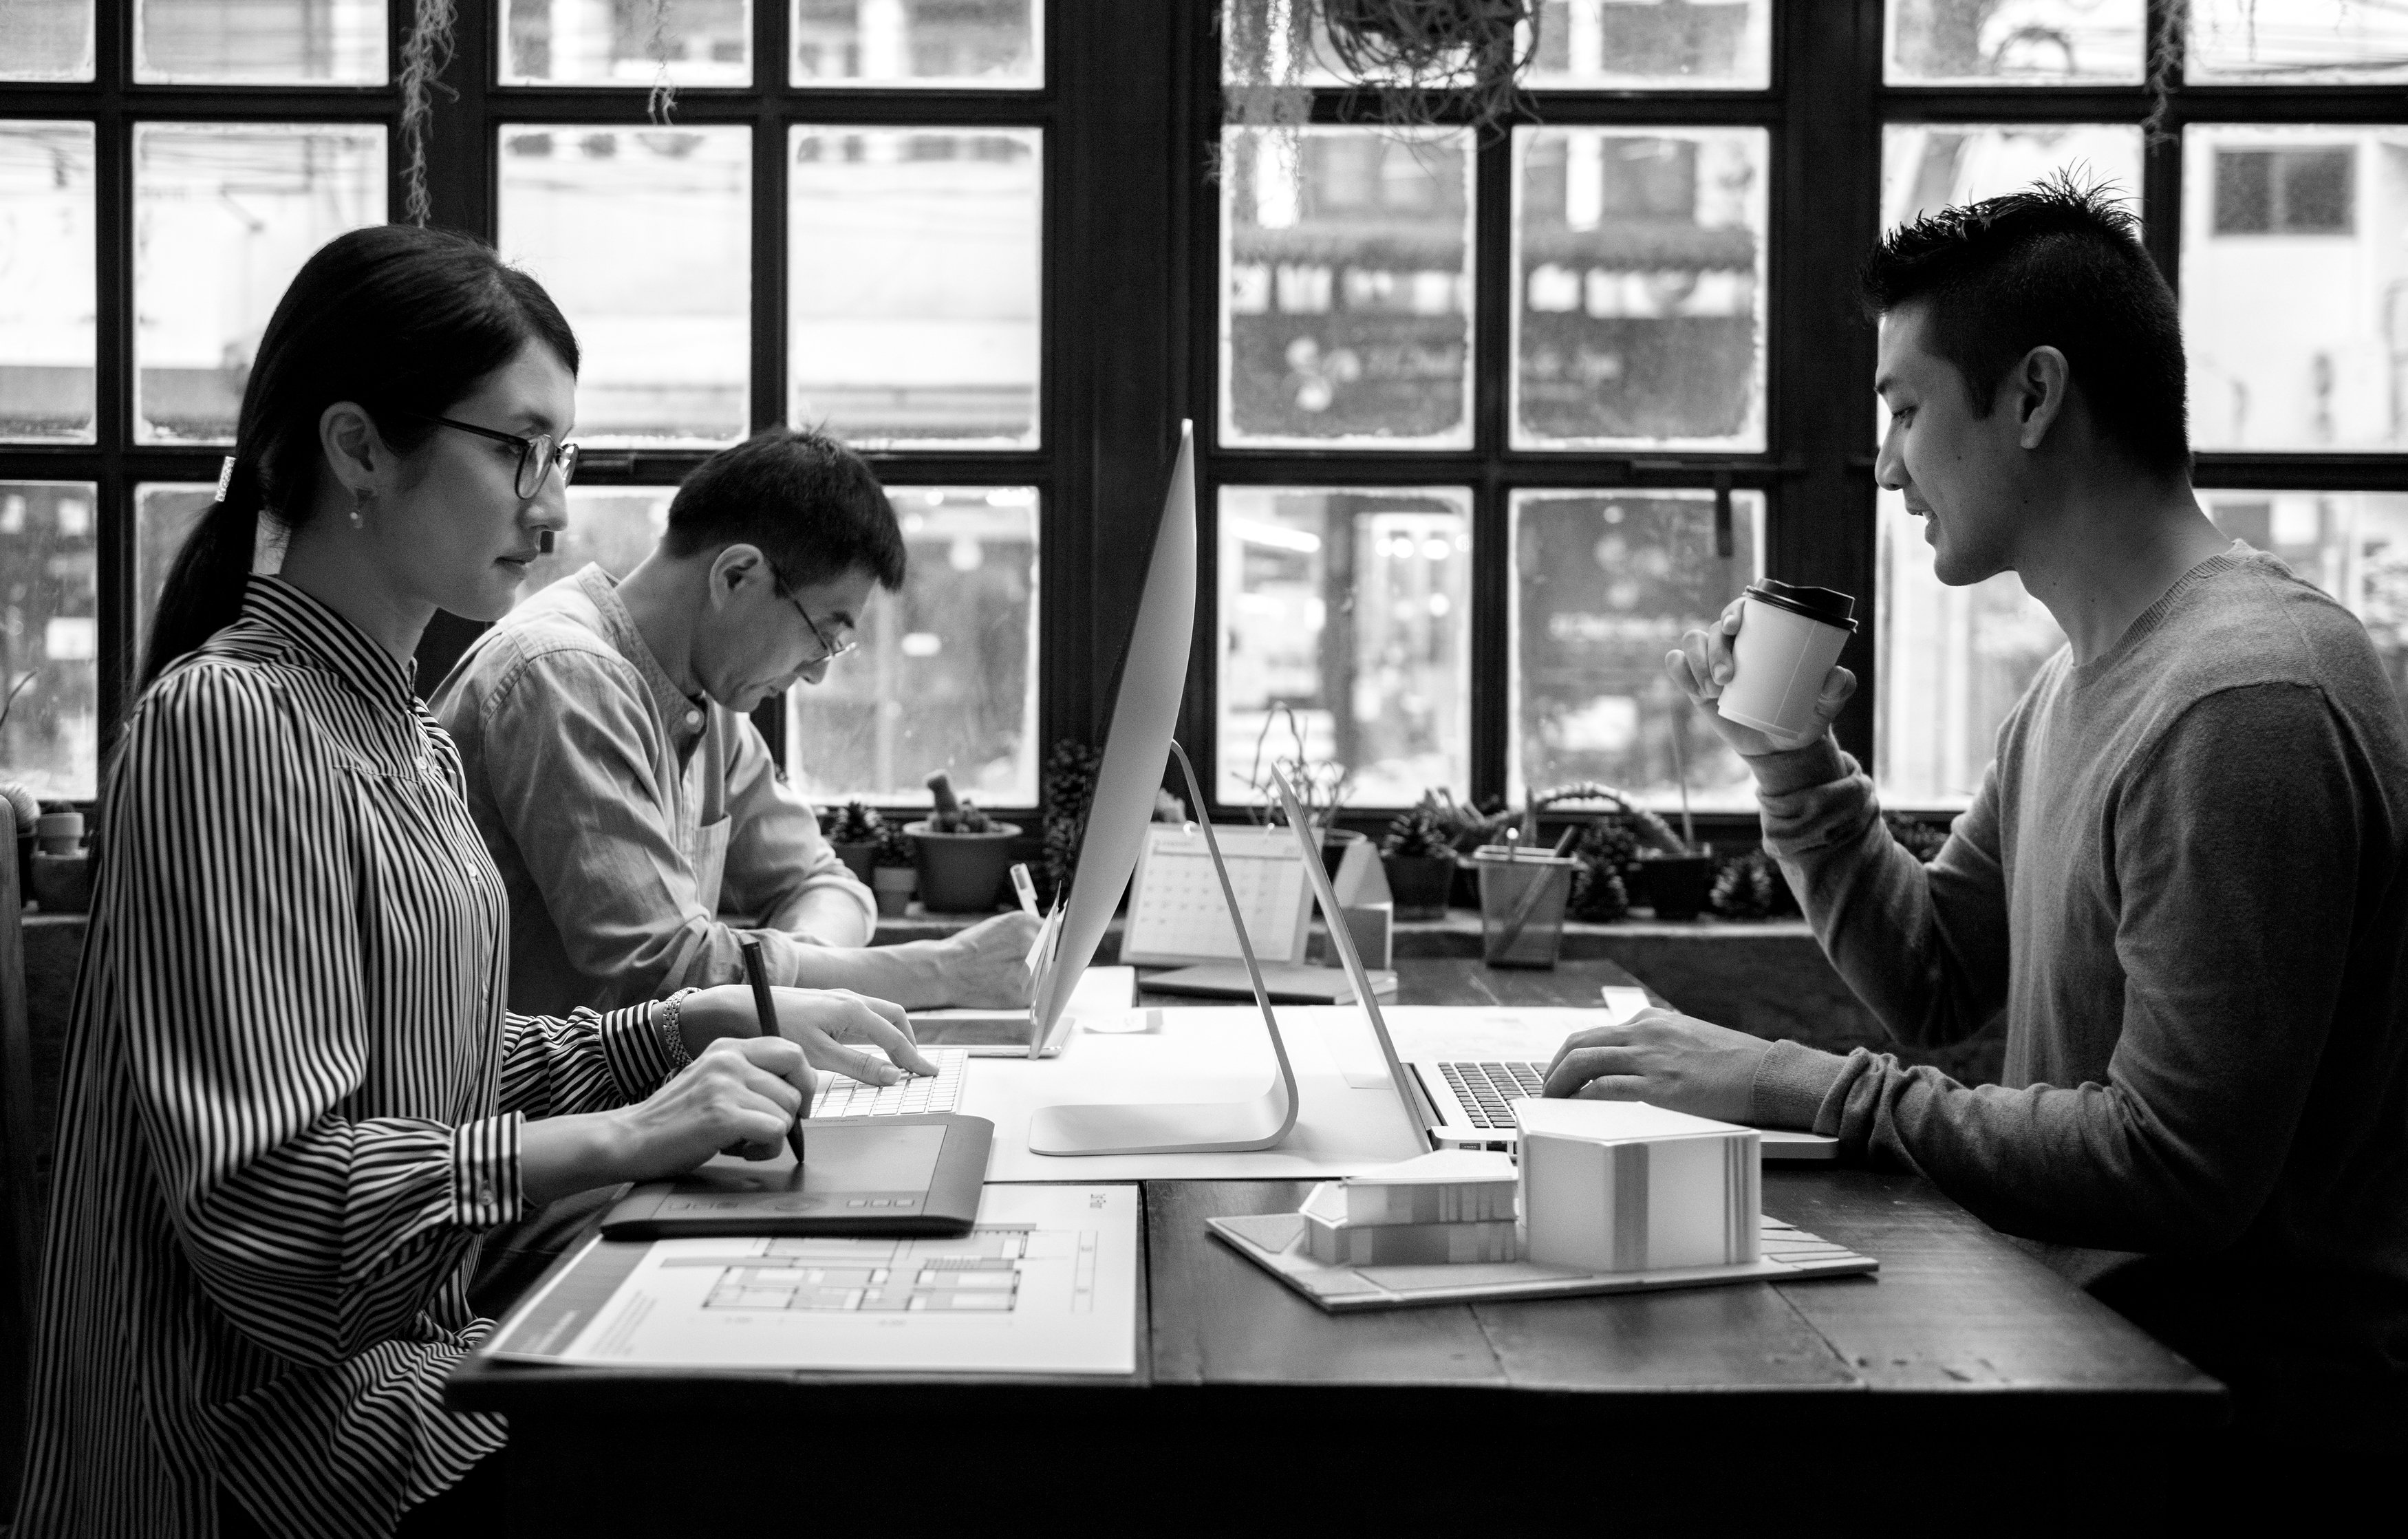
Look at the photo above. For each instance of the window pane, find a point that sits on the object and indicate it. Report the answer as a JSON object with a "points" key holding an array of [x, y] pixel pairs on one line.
{"points": [[1623, 45], [946, 674], [262, 42], [1953, 661], [47, 249], [600, 42], [2295, 286], [1346, 288], [46, 40], [642, 236], [612, 527], [2352, 544], [2297, 42], [49, 628], [1605, 583], [1927, 168], [225, 214], [1345, 622], [955, 44], [2020, 42], [1638, 288], [912, 279]]}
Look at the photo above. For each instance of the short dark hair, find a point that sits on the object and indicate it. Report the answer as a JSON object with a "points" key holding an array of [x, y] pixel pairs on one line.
{"points": [[2057, 265], [810, 504]]}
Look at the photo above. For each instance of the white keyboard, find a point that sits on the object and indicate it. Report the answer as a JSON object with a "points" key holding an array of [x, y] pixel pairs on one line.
{"points": [[841, 1096]]}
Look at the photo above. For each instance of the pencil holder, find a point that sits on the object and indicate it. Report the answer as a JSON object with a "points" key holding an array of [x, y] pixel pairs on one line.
{"points": [[1522, 899]]}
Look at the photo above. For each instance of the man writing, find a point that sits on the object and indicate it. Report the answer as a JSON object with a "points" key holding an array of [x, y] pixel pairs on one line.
{"points": [[2185, 879], [627, 799]]}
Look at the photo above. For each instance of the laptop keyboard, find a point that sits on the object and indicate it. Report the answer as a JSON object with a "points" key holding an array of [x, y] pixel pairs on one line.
{"points": [[840, 1096], [1483, 1089]]}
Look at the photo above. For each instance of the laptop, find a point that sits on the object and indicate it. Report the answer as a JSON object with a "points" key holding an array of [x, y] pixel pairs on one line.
{"points": [[1467, 1102]]}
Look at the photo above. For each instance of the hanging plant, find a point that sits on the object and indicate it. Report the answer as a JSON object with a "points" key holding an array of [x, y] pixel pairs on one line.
{"points": [[1421, 60], [426, 54]]}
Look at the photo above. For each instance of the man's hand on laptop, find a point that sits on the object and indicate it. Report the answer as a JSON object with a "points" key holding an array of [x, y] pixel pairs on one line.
{"points": [[820, 1021], [1663, 1058]]}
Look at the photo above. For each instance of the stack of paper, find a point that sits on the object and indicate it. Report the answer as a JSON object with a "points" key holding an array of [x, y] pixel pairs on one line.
{"points": [[1457, 1206], [1611, 1186]]}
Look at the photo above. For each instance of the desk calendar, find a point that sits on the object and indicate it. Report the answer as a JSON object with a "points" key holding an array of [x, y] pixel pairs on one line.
{"points": [[1176, 912]]}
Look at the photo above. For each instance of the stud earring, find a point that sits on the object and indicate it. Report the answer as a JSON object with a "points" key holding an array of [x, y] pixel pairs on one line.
{"points": [[360, 500]]}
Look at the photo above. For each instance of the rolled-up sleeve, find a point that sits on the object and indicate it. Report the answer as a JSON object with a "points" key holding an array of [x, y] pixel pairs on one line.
{"points": [[777, 858]]}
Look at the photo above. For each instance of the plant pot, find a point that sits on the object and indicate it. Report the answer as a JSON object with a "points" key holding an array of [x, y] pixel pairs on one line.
{"points": [[1419, 884], [893, 885], [1677, 885], [860, 859], [961, 873], [1522, 899]]}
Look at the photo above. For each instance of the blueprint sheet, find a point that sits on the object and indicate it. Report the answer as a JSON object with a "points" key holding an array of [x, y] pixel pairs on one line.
{"points": [[1045, 1283]]}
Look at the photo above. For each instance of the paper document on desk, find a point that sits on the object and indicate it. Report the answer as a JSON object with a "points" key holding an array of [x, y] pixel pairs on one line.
{"points": [[1044, 1283]]}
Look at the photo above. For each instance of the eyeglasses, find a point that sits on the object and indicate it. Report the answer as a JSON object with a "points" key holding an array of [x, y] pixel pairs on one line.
{"points": [[536, 454], [829, 651]]}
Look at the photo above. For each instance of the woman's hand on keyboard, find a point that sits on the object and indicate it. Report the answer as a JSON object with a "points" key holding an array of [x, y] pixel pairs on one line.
{"points": [[819, 1021]]}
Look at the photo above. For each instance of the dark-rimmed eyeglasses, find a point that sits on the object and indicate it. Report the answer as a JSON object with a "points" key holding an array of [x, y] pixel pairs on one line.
{"points": [[829, 651], [536, 454]]}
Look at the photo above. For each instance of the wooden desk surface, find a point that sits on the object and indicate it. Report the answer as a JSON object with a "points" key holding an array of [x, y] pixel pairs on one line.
{"points": [[1961, 1332]]}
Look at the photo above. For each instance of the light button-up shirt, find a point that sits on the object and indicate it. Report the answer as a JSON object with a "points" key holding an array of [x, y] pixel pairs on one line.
{"points": [[628, 821]]}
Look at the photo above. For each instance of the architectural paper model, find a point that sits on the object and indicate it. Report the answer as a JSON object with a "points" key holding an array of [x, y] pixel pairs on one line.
{"points": [[1611, 1186], [1452, 1187]]}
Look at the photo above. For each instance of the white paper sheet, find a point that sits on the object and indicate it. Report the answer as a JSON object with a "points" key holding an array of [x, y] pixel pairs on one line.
{"points": [[1046, 1283], [1203, 1055]]}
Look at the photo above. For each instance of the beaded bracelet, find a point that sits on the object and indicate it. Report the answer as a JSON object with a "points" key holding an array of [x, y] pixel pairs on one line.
{"points": [[665, 1021]]}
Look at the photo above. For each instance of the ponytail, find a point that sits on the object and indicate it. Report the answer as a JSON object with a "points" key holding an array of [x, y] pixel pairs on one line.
{"points": [[401, 320], [204, 589]]}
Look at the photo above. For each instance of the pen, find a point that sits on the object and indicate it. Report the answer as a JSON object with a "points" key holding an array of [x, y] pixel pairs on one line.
{"points": [[1025, 887], [765, 1010]]}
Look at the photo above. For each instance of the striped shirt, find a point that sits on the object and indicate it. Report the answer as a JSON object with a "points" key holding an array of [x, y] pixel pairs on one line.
{"points": [[293, 1103]]}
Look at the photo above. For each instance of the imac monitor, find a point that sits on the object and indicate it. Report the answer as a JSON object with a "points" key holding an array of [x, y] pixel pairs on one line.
{"points": [[1153, 676]]}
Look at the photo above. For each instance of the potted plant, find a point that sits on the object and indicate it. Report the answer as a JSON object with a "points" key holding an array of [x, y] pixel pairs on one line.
{"points": [[1630, 854], [895, 870], [1420, 859], [964, 853], [853, 832]]}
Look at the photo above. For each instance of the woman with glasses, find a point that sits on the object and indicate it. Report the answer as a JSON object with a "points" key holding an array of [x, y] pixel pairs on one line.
{"points": [[293, 1101]]}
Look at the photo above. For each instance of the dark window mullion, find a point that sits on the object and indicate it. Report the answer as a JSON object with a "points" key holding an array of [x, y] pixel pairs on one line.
{"points": [[113, 365], [1491, 237]]}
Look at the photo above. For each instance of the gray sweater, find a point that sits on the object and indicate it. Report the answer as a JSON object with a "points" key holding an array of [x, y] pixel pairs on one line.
{"points": [[2186, 883]]}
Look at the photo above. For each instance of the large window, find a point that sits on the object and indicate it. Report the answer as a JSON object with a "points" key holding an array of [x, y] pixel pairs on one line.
{"points": [[759, 211], [1485, 419], [2273, 189]]}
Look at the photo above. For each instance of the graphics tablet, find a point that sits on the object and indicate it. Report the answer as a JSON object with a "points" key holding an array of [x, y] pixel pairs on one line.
{"points": [[860, 1175]]}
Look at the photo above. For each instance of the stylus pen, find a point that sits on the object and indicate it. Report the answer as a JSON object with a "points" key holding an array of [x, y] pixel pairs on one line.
{"points": [[765, 1010], [1025, 887]]}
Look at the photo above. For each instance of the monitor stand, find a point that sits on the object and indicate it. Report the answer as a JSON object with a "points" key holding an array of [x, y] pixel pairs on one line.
{"points": [[1229, 1127]]}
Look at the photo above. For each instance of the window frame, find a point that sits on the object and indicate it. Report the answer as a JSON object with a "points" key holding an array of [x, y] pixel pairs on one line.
{"points": [[471, 110], [1826, 105]]}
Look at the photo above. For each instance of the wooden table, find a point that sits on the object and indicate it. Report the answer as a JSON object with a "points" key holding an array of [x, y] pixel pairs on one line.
{"points": [[1250, 1407]]}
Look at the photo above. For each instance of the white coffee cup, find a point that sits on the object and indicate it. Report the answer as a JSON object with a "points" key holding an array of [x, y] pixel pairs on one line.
{"points": [[1788, 639]]}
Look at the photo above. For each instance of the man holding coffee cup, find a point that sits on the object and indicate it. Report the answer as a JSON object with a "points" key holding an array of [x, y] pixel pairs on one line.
{"points": [[2184, 883]]}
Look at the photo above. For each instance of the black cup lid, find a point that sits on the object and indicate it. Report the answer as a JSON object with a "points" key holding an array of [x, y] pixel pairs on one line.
{"points": [[1824, 604]]}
